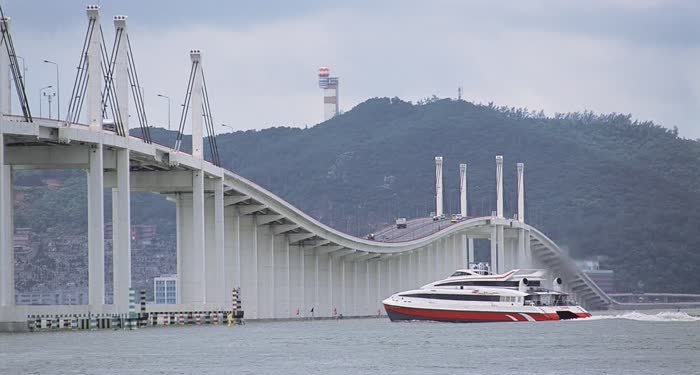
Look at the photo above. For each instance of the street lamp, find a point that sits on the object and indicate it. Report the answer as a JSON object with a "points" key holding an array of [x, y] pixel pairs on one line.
{"points": [[229, 126], [41, 113], [58, 87], [166, 97]]}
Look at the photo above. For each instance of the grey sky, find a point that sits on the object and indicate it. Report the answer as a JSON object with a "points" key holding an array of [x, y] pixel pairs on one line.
{"points": [[632, 56]]}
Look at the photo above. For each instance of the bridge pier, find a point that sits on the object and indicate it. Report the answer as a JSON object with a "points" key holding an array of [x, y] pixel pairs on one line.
{"points": [[232, 253], [310, 290], [249, 265], [214, 255], [282, 277], [266, 277], [296, 280], [336, 285], [121, 234], [96, 251], [7, 252]]}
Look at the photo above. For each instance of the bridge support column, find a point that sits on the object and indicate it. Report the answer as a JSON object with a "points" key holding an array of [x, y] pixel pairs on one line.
{"points": [[353, 295], [369, 277], [441, 250], [375, 285], [520, 252], [121, 235], [384, 280], [232, 255], [501, 250], [296, 281], [493, 261], [402, 273], [214, 260], [528, 251], [462, 252], [323, 285], [310, 295], [470, 251], [249, 265], [395, 275], [7, 251], [282, 278], [96, 239], [336, 286], [266, 275], [192, 243]]}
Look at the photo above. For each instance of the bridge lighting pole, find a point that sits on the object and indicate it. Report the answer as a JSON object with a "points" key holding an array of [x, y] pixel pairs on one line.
{"points": [[58, 87], [48, 97], [41, 92], [229, 126], [166, 97]]}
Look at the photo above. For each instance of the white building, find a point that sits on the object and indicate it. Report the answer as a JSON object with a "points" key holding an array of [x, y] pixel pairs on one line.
{"points": [[165, 289]]}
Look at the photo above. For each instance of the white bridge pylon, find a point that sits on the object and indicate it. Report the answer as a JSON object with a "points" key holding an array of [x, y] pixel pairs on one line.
{"points": [[233, 233]]}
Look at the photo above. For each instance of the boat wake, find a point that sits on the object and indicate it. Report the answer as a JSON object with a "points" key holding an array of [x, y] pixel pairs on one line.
{"points": [[664, 316]]}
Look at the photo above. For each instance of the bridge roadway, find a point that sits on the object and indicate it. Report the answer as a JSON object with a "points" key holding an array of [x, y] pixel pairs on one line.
{"points": [[241, 235], [415, 228]]}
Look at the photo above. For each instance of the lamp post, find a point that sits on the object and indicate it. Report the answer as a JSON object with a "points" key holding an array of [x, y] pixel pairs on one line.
{"points": [[229, 126], [41, 91], [48, 97], [166, 97], [58, 87]]}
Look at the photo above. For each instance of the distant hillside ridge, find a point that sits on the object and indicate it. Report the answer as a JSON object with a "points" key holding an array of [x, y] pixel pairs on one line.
{"points": [[596, 184]]}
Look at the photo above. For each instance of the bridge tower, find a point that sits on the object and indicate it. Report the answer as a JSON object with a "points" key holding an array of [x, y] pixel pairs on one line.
{"points": [[498, 252], [438, 186], [96, 263], [121, 194], [463, 190]]}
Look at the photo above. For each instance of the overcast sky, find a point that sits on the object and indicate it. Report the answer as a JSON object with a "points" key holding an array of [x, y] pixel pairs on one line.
{"points": [[261, 57]]}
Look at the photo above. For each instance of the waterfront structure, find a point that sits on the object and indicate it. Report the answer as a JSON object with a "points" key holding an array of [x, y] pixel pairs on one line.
{"points": [[329, 85], [231, 233], [165, 290]]}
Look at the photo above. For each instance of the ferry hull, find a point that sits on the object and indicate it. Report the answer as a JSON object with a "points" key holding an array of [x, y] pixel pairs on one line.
{"points": [[399, 313]]}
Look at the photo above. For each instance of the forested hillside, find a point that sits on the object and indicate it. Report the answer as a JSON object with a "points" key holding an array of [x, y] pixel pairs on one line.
{"points": [[596, 184]]}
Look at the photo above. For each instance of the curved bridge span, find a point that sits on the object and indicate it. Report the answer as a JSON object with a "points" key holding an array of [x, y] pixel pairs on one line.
{"points": [[233, 233]]}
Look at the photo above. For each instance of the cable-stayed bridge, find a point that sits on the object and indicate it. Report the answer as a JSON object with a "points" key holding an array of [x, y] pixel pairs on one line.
{"points": [[231, 233]]}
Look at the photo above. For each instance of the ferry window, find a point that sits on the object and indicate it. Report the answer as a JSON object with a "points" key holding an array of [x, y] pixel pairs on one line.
{"points": [[460, 273]]}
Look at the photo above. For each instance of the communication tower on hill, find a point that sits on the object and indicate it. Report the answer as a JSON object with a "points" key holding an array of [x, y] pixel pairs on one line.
{"points": [[329, 85]]}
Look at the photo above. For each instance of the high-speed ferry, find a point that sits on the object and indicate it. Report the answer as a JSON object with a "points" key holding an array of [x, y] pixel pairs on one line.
{"points": [[473, 295]]}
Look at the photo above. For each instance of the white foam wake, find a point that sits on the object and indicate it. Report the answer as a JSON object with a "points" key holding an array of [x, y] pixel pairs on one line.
{"points": [[664, 316]]}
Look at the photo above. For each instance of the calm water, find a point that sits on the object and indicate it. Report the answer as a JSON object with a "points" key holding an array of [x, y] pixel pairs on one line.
{"points": [[666, 343]]}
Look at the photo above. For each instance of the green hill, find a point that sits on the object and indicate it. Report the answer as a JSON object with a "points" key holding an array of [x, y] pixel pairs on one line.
{"points": [[597, 184]]}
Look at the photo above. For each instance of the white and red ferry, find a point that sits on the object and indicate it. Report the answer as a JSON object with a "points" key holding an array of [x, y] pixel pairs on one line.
{"points": [[476, 296]]}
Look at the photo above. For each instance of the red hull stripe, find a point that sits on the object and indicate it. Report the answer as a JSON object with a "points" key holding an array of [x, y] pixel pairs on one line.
{"points": [[468, 316]]}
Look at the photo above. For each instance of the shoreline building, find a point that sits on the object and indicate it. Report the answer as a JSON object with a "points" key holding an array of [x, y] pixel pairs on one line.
{"points": [[329, 85], [165, 289]]}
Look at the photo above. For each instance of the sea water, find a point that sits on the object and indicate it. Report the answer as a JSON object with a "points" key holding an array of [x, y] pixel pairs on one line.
{"points": [[629, 343]]}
